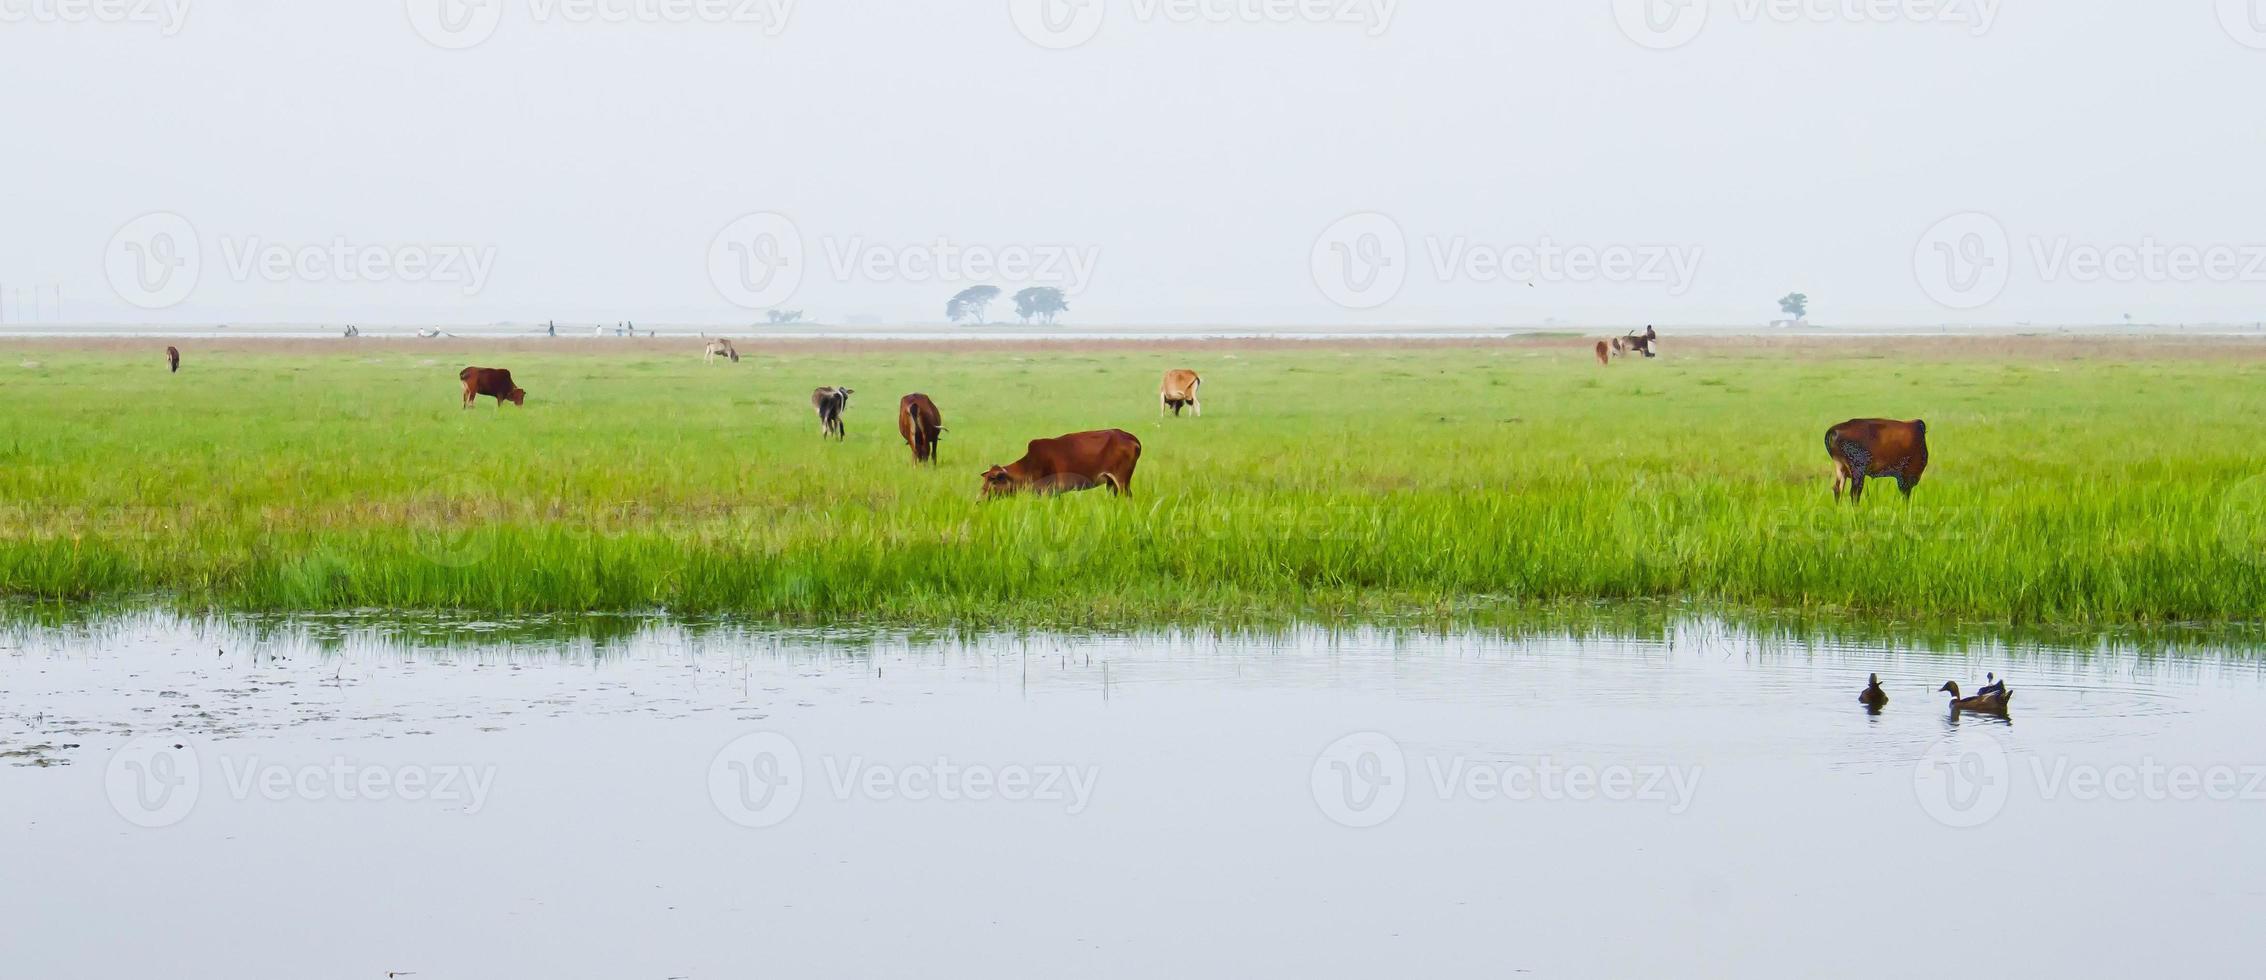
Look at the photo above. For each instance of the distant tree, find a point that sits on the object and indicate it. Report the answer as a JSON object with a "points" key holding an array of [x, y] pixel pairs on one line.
{"points": [[1039, 301], [784, 316], [1796, 305], [969, 303]]}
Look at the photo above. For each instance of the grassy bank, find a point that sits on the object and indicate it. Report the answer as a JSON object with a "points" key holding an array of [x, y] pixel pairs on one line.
{"points": [[1322, 482]]}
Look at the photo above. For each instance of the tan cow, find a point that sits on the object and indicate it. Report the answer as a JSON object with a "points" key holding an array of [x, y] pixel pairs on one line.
{"points": [[1078, 461], [494, 382], [1179, 391], [921, 425], [721, 347], [1877, 447]]}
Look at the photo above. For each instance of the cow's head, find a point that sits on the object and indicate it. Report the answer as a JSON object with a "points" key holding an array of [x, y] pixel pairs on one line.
{"points": [[518, 397], [998, 483]]}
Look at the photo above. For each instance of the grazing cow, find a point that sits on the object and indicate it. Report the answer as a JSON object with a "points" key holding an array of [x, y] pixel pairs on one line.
{"points": [[921, 425], [1877, 447], [1078, 461], [721, 347], [494, 382], [173, 359], [1641, 342], [1605, 352], [1179, 391], [830, 402]]}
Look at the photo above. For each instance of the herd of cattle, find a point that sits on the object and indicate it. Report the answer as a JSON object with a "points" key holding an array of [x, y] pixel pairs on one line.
{"points": [[1078, 461], [1860, 448]]}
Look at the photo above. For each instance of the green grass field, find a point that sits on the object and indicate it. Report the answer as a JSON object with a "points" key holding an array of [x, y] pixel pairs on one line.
{"points": [[1322, 483]]}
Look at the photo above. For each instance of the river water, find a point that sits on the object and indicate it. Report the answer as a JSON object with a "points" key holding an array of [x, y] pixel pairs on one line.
{"points": [[640, 798]]}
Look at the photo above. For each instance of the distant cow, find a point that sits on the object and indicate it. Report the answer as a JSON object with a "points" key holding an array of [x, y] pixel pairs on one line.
{"points": [[721, 348], [1179, 391], [1640, 342], [1605, 352], [921, 425], [494, 382], [829, 402], [1877, 447], [173, 359], [1078, 461]]}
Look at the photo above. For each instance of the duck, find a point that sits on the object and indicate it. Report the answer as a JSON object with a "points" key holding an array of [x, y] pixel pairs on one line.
{"points": [[1991, 685], [1873, 696], [1994, 702]]}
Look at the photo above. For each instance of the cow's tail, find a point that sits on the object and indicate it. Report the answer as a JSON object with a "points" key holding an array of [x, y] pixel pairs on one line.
{"points": [[1833, 442], [1920, 426], [464, 375], [928, 432]]}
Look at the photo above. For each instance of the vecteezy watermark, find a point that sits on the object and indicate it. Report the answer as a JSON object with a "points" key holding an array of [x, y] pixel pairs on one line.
{"points": [[759, 260], [1665, 24], [2242, 520], [1965, 780], [1361, 780], [168, 16], [1966, 260], [156, 781], [1059, 24], [1963, 261], [2245, 21], [154, 261], [157, 260], [1362, 260], [760, 779], [459, 24]]}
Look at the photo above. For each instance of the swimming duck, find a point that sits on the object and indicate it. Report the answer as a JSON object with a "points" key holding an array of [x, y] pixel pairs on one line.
{"points": [[1994, 702], [1873, 696]]}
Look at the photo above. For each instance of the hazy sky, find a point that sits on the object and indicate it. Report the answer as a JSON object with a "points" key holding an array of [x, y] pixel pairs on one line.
{"points": [[1163, 160]]}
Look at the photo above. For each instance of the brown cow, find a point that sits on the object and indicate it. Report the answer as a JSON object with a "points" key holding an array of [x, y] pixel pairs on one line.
{"points": [[921, 425], [1078, 461], [1179, 391], [173, 359], [1877, 447], [1605, 352], [493, 382]]}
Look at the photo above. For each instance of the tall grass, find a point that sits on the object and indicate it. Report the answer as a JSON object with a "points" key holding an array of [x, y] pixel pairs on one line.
{"points": [[1320, 483]]}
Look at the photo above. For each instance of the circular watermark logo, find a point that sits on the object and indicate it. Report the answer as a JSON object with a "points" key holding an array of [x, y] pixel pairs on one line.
{"points": [[153, 780], [756, 261], [1057, 24], [153, 261], [1360, 780], [455, 24], [2242, 520], [459, 530], [1360, 261], [1963, 261], [2245, 21], [1963, 779], [756, 780], [1661, 24]]}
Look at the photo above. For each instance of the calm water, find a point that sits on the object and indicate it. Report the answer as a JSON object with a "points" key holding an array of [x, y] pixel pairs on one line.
{"points": [[668, 802]]}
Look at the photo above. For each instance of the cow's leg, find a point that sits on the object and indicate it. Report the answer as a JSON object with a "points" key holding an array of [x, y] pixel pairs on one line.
{"points": [[1840, 480], [1857, 487], [469, 395], [1198, 404]]}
